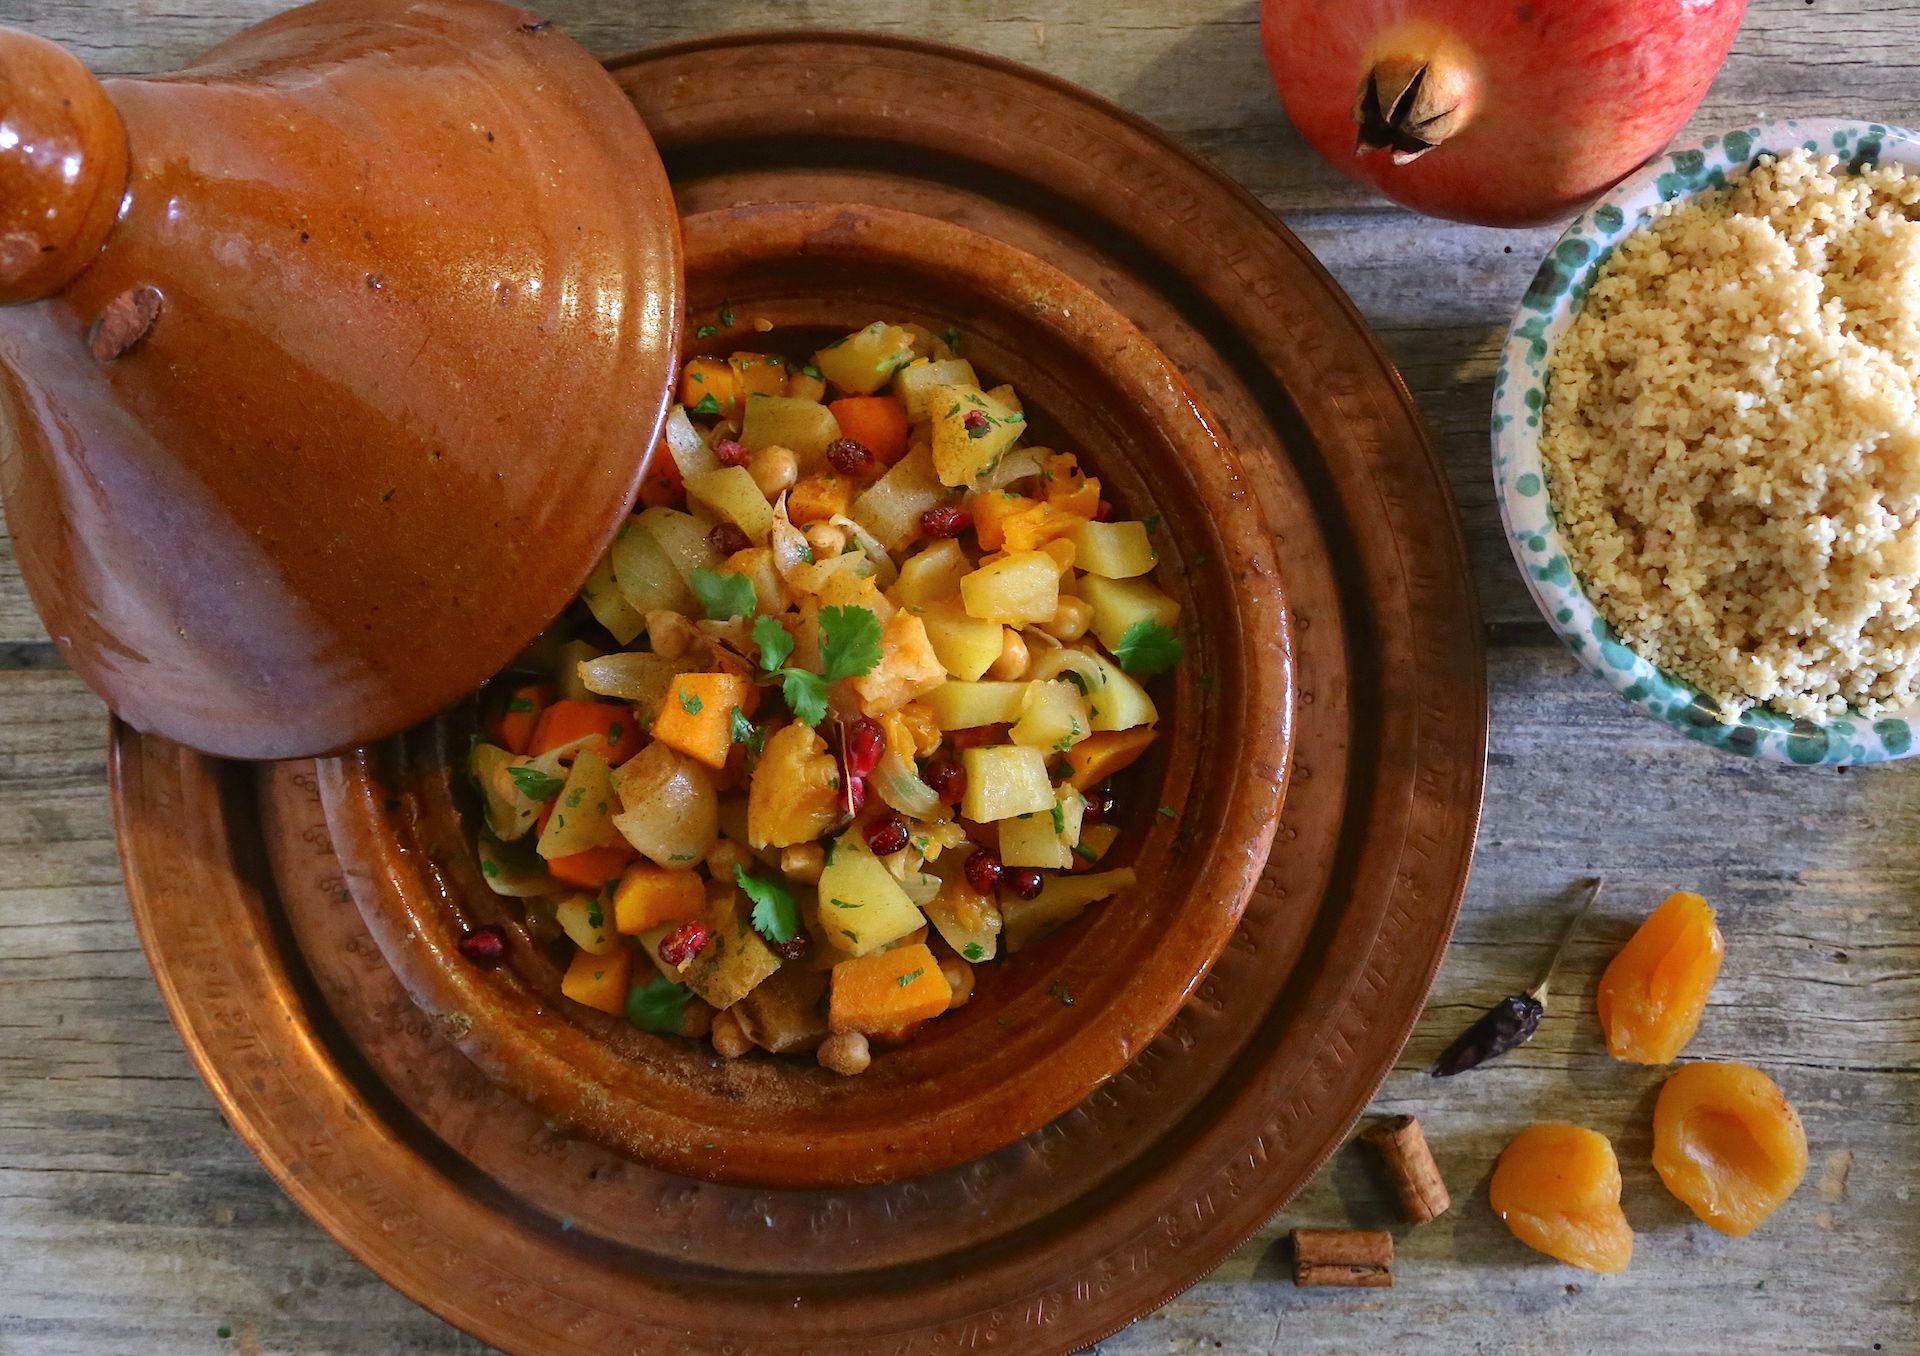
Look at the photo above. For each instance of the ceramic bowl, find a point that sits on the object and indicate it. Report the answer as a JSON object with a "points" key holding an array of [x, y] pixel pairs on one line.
{"points": [[1045, 1028], [1519, 397]]}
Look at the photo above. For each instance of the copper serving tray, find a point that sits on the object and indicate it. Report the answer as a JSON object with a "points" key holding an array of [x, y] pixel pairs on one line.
{"points": [[537, 1243]]}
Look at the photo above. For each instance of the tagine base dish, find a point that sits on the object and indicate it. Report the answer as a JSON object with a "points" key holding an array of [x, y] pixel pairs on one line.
{"points": [[535, 1241]]}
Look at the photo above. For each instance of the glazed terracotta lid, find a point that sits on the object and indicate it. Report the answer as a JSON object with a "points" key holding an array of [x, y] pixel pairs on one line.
{"points": [[329, 363]]}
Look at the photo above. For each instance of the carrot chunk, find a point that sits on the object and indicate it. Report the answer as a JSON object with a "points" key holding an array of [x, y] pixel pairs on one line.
{"points": [[592, 869], [512, 725], [877, 422], [620, 736]]}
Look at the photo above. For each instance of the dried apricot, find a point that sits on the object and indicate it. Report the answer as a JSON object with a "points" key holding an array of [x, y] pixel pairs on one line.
{"points": [[1654, 992], [1558, 1188], [1728, 1142]]}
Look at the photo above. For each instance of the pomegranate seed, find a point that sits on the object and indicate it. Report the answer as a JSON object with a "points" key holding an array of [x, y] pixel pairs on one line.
{"points": [[945, 520], [485, 947], [865, 742], [731, 452], [1099, 803], [1102, 512], [886, 836], [848, 457], [684, 943], [726, 538], [857, 794], [1024, 881], [947, 778], [793, 949], [976, 423], [984, 870]]}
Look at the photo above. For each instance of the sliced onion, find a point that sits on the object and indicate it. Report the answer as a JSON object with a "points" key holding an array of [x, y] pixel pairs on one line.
{"points": [[1020, 464], [640, 678], [789, 543], [883, 564], [1070, 659], [920, 887], [895, 782], [684, 443]]}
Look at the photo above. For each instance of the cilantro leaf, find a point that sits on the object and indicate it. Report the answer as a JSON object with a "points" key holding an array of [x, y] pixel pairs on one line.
{"points": [[535, 784], [849, 642], [774, 914], [657, 1005], [1148, 648], [774, 640], [806, 694], [724, 596], [743, 731]]}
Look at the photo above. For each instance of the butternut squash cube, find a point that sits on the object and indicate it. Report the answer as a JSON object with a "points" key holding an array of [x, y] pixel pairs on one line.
{"points": [[599, 981], [649, 896], [887, 991], [697, 716]]}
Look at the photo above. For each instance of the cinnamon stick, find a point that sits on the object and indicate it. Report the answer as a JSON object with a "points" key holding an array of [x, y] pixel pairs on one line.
{"points": [[1415, 1176], [1342, 1257]]}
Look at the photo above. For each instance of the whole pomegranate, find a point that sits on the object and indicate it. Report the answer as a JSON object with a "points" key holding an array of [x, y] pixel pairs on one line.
{"points": [[1499, 112]]}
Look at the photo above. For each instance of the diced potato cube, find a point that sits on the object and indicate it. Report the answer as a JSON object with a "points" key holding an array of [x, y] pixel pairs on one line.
{"points": [[890, 508], [819, 497], [599, 981], [1053, 716], [730, 495], [915, 382], [1004, 780], [932, 574], [645, 574], [803, 427], [1046, 838], [888, 991], [734, 963], [584, 919], [862, 906], [1099, 756], [1118, 603], [1013, 590], [583, 812], [650, 896], [1117, 702], [1061, 900], [1114, 550], [964, 706], [908, 667], [867, 359], [697, 716], [795, 795], [1096, 840], [971, 432], [966, 645], [601, 593]]}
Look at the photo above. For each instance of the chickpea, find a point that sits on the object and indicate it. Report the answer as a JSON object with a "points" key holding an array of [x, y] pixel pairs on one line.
{"points": [[724, 856], [802, 386], [846, 1053], [696, 1019], [803, 862], [826, 540], [1012, 662], [960, 975], [728, 1036], [669, 633], [774, 470], [1069, 621]]}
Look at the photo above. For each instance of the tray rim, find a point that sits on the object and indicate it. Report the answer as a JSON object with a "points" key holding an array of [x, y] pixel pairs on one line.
{"points": [[1472, 641]]}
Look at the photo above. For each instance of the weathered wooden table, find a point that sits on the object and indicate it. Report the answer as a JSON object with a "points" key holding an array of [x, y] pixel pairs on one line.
{"points": [[132, 1220]]}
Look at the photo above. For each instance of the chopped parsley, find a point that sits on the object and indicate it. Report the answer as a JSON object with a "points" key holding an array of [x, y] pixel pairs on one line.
{"points": [[706, 332], [775, 916], [535, 784], [842, 904], [910, 976], [726, 313], [689, 702], [1169, 812], [657, 1005], [973, 951], [1151, 522], [813, 372], [1060, 991], [596, 916], [1072, 676], [724, 596], [518, 703], [1147, 648], [951, 336], [1085, 853], [707, 406], [1059, 813]]}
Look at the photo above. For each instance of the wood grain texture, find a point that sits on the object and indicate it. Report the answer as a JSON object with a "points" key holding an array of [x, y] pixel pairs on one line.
{"points": [[132, 1220]]}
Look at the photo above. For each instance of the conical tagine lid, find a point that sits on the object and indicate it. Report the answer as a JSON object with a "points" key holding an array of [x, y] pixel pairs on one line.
{"points": [[328, 365]]}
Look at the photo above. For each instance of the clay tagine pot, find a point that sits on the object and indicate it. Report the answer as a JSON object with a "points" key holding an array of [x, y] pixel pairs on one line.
{"points": [[328, 365], [1045, 1028]]}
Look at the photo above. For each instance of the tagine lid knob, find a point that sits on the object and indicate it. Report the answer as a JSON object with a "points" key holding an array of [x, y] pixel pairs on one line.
{"points": [[329, 365]]}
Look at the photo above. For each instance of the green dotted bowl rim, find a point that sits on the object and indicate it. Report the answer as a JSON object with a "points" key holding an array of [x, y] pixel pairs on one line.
{"points": [[1519, 397]]}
